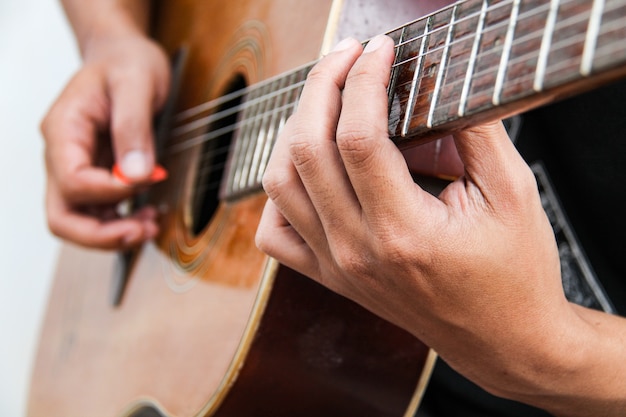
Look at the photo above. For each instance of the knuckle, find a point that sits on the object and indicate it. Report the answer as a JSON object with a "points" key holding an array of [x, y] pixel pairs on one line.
{"points": [[55, 225], [320, 75], [263, 241], [352, 262], [126, 126], [523, 187], [356, 142], [275, 183], [304, 153], [271, 184]]}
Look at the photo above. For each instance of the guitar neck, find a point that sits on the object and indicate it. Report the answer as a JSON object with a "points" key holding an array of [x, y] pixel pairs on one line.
{"points": [[473, 61], [485, 59]]}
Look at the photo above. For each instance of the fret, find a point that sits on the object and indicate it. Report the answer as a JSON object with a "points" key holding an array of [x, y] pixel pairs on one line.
{"points": [[399, 37], [283, 109], [472, 59], [442, 68], [506, 51], [266, 109], [468, 16], [591, 37], [233, 172], [565, 57], [262, 131], [488, 59], [244, 139], [254, 119], [410, 45], [425, 85], [525, 50], [275, 109], [544, 49], [413, 89], [610, 46]]}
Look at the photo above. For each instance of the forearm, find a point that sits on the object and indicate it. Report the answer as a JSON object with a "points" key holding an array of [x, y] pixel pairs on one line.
{"points": [[574, 368], [96, 19], [597, 385]]}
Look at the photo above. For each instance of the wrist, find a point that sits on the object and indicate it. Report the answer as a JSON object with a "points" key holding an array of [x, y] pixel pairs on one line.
{"points": [[97, 22], [570, 369]]}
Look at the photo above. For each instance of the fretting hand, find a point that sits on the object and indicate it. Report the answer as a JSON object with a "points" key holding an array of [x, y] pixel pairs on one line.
{"points": [[474, 272]]}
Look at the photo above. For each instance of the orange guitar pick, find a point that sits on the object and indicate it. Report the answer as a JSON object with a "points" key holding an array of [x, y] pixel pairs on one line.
{"points": [[158, 174]]}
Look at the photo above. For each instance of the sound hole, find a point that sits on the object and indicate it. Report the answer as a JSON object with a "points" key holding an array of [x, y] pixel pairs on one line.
{"points": [[214, 156], [147, 412]]}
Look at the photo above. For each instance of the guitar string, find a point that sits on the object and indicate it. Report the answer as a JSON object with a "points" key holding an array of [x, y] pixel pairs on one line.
{"points": [[229, 129], [220, 101], [600, 53], [204, 122], [520, 80]]}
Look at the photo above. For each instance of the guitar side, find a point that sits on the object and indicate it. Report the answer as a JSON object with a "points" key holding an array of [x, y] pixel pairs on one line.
{"points": [[208, 325]]}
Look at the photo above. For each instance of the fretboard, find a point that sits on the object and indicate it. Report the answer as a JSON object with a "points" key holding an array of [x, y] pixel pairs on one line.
{"points": [[473, 61]]}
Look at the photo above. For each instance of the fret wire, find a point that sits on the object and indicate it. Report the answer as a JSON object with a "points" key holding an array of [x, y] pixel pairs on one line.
{"points": [[271, 138], [418, 70], [506, 51], [546, 41], [442, 69], [472, 59], [252, 139], [261, 138], [245, 139], [592, 36]]}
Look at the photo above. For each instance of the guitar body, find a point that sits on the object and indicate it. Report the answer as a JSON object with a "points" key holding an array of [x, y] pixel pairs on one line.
{"points": [[207, 324]]}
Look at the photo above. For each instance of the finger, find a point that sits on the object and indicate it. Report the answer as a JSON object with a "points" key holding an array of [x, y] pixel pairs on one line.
{"points": [[286, 192], [276, 237], [71, 130], [312, 143], [94, 232], [372, 162], [135, 97]]}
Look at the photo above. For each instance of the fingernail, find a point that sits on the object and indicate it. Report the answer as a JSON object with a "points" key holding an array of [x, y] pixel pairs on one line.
{"points": [[375, 43], [344, 44], [135, 164]]}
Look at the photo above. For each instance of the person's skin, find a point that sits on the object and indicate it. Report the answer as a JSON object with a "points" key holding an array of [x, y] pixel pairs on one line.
{"points": [[474, 272], [104, 115]]}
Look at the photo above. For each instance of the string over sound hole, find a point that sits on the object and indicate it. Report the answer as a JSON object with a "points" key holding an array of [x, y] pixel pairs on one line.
{"points": [[213, 157]]}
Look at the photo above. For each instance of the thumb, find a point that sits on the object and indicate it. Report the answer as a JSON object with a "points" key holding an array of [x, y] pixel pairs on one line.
{"points": [[490, 159], [133, 101]]}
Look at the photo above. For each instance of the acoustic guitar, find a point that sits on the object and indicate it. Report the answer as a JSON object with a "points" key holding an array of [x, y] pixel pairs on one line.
{"points": [[200, 322]]}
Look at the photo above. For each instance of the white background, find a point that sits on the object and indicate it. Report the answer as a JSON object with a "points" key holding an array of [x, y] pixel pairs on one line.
{"points": [[37, 57]]}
